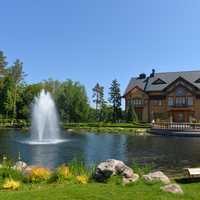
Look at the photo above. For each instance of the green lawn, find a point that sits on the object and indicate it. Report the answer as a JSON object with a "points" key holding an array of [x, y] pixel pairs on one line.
{"points": [[108, 127], [98, 191]]}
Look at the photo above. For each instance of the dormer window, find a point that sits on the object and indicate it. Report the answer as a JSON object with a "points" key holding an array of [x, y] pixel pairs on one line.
{"points": [[158, 82], [198, 80]]}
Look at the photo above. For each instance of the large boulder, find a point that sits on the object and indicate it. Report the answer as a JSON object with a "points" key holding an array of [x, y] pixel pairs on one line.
{"points": [[156, 176], [20, 166], [112, 167], [172, 188]]}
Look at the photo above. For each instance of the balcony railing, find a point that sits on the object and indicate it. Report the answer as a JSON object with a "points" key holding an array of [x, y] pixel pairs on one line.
{"points": [[177, 126], [180, 105]]}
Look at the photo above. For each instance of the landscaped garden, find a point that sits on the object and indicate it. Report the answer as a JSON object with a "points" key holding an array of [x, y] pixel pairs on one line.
{"points": [[76, 181], [106, 181]]}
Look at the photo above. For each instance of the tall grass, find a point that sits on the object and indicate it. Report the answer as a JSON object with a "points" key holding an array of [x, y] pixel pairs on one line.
{"points": [[78, 167], [142, 169]]}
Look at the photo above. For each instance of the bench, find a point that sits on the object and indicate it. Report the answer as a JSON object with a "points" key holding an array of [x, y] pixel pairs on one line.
{"points": [[193, 172]]}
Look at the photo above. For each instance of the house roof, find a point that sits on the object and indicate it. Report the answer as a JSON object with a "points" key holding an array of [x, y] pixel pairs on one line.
{"points": [[135, 82], [148, 84]]}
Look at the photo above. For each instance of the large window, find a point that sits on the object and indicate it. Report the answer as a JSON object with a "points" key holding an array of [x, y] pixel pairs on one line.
{"points": [[180, 91], [190, 101], [170, 101], [180, 101], [137, 102]]}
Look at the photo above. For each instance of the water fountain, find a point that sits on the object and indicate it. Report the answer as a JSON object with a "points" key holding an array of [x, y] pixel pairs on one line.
{"points": [[45, 125]]}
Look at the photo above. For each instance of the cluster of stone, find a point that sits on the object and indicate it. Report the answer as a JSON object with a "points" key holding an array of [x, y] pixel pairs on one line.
{"points": [[113, 167]]}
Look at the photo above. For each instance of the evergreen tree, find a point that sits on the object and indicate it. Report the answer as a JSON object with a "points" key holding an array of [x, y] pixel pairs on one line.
{"points": [[3, 63], [98, 99], [115, 100]]}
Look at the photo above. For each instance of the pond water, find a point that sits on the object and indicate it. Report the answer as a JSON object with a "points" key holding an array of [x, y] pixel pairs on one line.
{"points": [[166, 153]]}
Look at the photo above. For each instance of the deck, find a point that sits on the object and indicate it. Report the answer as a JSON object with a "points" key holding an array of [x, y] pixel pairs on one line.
{"points": [[176, 129]]}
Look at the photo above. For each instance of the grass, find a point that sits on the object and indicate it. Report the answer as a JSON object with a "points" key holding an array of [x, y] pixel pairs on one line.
{"points": [[101, 127], [99, 191]]}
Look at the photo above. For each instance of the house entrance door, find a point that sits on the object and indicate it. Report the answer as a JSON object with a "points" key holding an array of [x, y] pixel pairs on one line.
{"points": [[180, 117]]}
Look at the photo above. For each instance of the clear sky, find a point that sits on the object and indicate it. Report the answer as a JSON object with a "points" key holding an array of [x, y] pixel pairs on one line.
{"points": [[99, 40]]}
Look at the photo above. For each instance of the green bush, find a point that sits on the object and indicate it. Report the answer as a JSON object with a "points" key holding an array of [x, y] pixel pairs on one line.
{"points": [[8, 172]]}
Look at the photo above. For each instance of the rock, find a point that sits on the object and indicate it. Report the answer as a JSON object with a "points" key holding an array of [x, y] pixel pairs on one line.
{"points": [[20, 165], [27, 171], [112, 167], [173, 188], [130, 180], [156, 176]]}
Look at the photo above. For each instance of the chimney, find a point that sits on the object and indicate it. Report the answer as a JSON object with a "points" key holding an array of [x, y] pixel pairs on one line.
{"points": [[152, 73]]}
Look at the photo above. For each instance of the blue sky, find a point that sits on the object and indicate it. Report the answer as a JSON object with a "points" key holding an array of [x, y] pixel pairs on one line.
{"points": [[99, 40]]}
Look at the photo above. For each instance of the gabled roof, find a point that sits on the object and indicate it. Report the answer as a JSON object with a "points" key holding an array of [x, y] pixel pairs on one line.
{"points": [[148, 84], [135, 82], [198, 80]]}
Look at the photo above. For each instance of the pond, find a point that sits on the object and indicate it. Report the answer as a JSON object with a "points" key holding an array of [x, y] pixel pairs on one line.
{"points": [[166, 153]]}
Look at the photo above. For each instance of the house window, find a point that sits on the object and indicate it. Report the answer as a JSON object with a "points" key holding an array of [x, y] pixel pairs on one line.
{"points": [[180, 101], [180, 91], [137, 102], [170, 101], [157, 102], [190, 101]]}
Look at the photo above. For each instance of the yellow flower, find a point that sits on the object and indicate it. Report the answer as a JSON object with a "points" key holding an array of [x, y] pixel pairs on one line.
{"points": [[39, 174], [82, 179], [11, 184], [63, 171]]}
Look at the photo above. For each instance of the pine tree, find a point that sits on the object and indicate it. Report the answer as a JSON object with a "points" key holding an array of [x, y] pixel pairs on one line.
{"points": [[3, 63], [115, 100], [98, 99]]}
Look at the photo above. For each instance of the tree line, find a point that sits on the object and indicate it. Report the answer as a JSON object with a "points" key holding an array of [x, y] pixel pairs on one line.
{"points": [[16, 97]]}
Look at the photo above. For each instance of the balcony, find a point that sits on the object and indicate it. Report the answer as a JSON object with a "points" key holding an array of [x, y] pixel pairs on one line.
{"points": [[180, 106], [180, 102]]}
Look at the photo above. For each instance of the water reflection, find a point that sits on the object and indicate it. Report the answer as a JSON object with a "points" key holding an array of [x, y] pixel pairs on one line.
{"points": [[168, 153]]}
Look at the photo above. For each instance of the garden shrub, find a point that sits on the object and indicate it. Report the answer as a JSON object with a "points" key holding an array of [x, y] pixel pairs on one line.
{"points": [[8, 172], [63, 172], [39, 174]]}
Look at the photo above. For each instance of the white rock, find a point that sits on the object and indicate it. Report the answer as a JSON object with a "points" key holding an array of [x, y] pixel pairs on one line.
{"points": [[112, 167], [20, 165], [130, 180], [156, 176], [172, 188]]}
